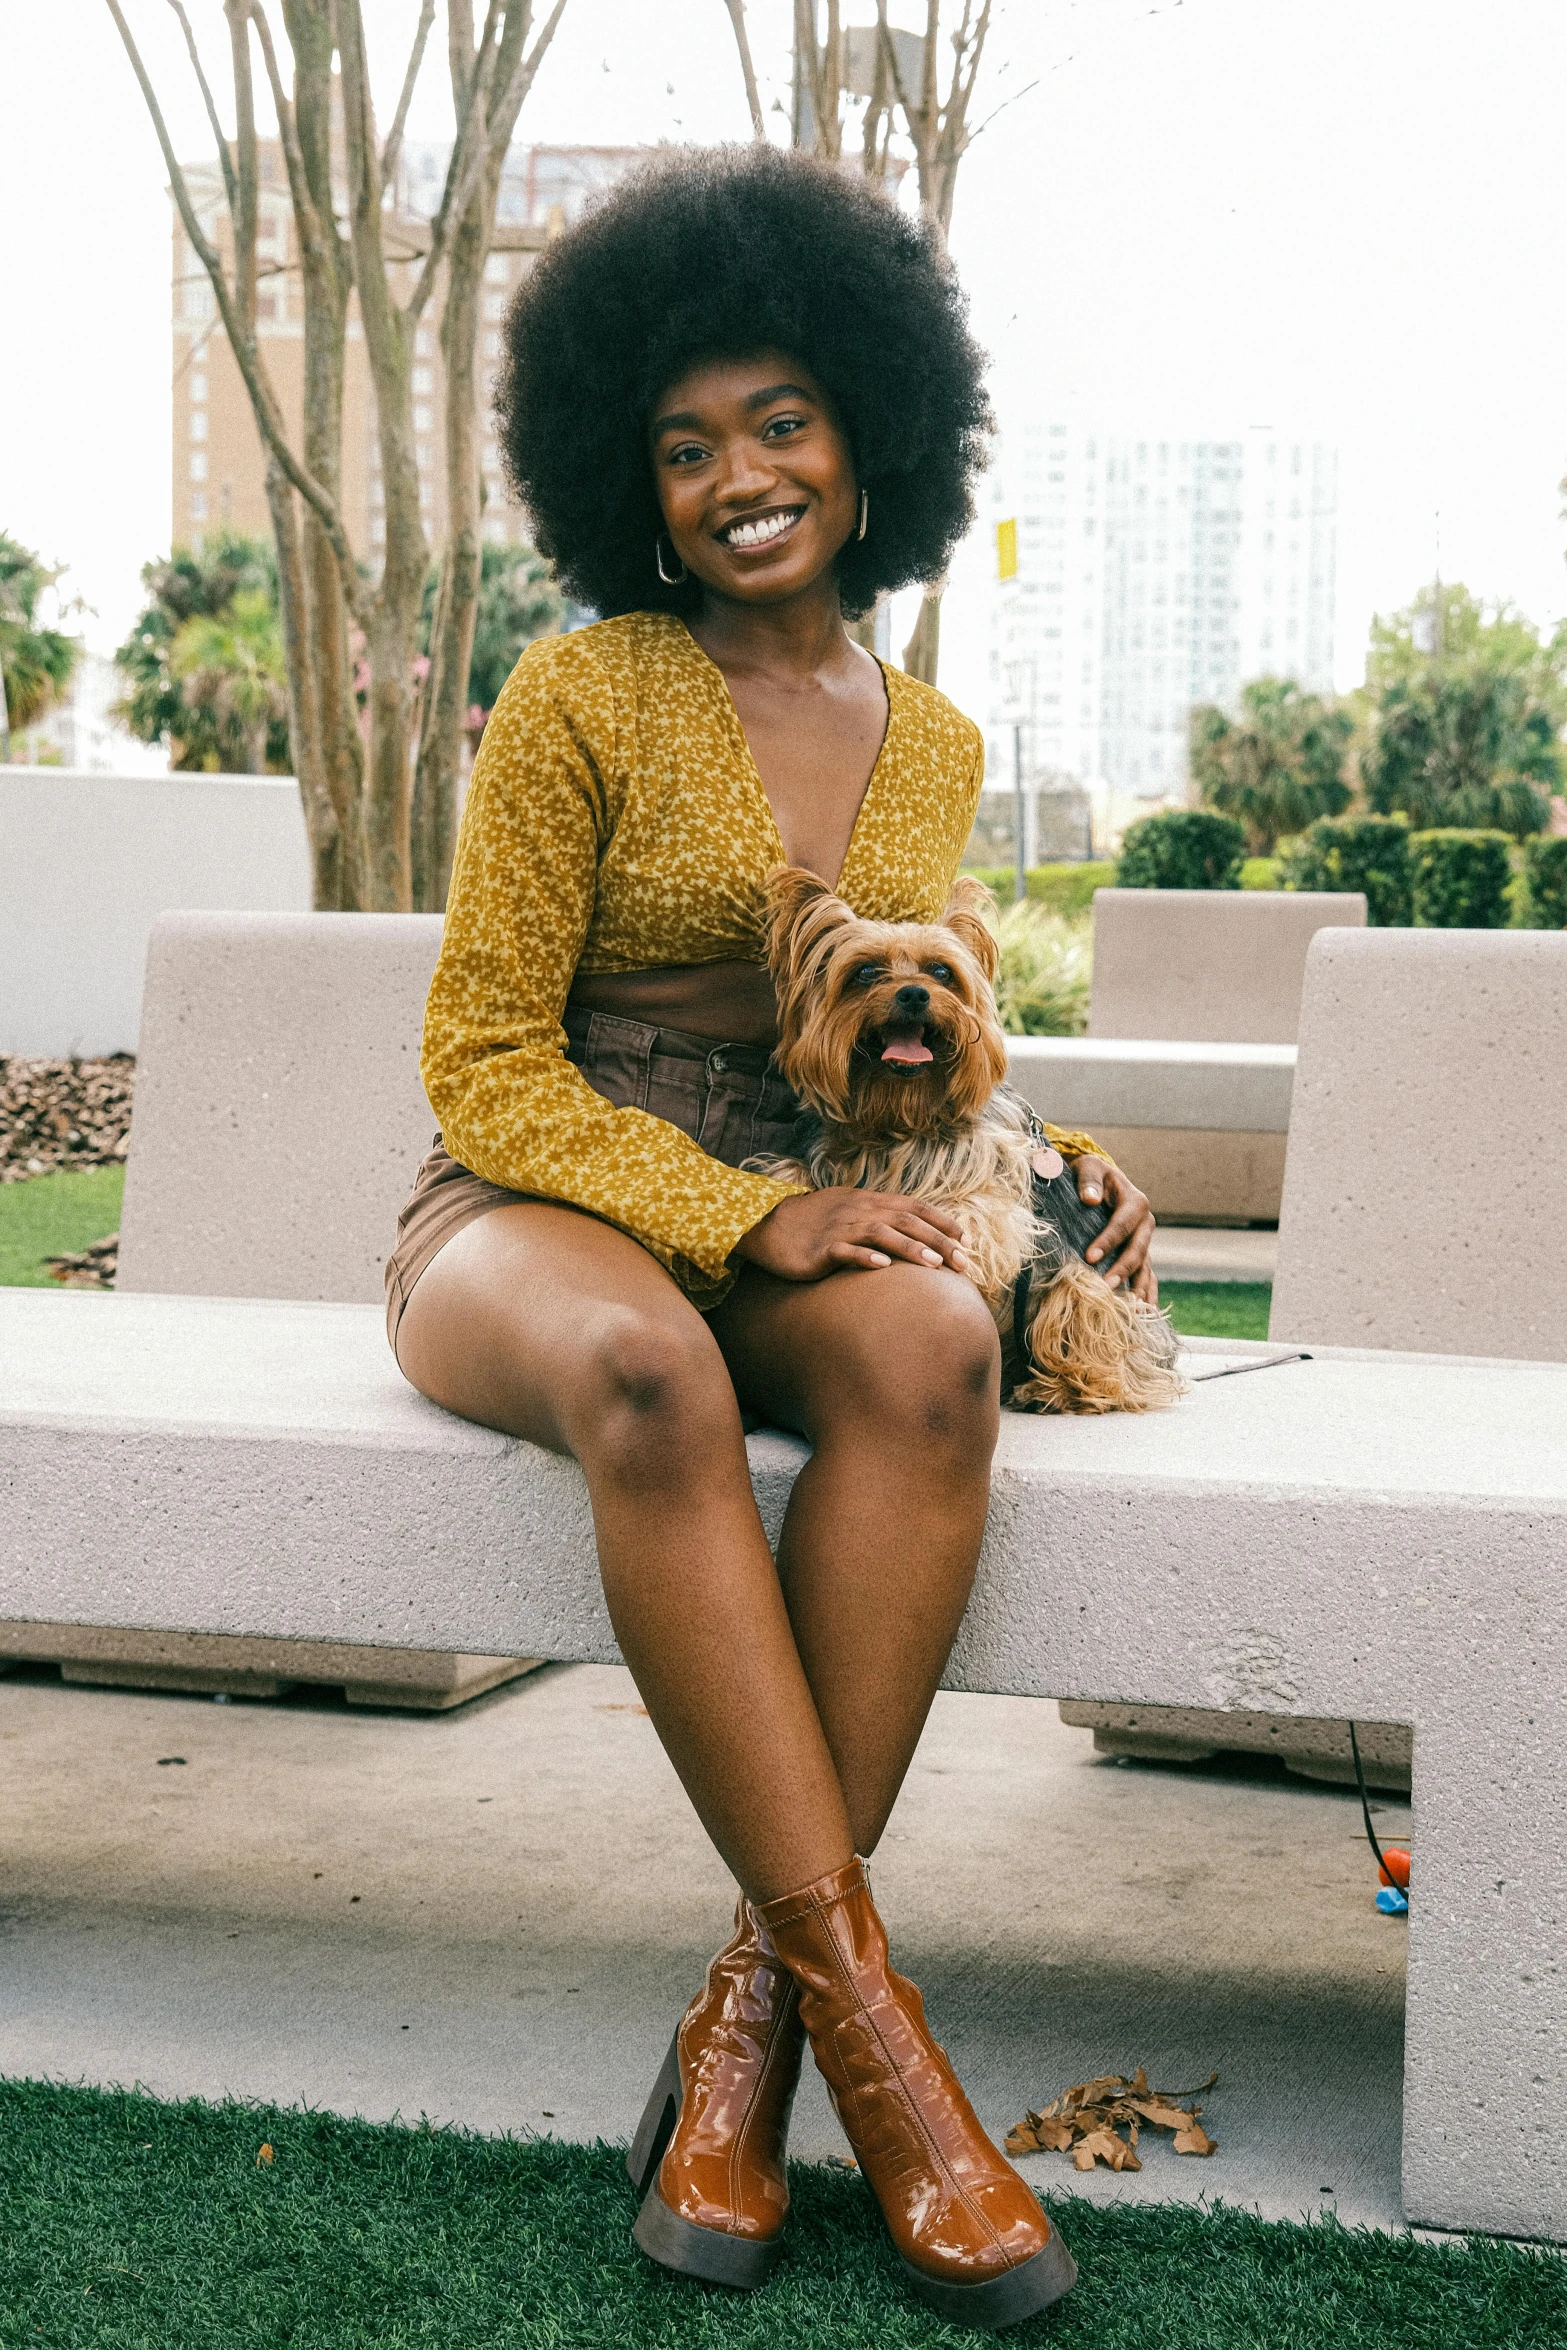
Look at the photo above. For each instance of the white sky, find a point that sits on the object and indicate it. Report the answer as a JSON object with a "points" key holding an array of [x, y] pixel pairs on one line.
{"points": [[1339, 217]]}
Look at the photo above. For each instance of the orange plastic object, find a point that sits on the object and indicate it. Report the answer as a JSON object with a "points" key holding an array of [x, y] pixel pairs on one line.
{"points": [[1395, 1868]]}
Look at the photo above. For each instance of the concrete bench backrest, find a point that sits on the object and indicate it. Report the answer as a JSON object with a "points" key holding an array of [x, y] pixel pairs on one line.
{"points": [[279, 1113], [1212, 966], [1427, 1154]]}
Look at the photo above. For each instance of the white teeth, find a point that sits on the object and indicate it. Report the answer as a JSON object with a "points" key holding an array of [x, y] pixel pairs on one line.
{"points": [[757, 534]]}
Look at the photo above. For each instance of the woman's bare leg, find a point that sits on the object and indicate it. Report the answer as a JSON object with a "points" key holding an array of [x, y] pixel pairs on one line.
{"points": [[554, 1326], [895, 1377]]}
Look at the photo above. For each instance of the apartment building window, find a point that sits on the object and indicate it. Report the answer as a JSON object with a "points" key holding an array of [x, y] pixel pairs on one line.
{"points": [[198, 424], [497, 269], [198, 387], [424, 419], [424, 379], [198, 465], [494, 305], [198, 505]]}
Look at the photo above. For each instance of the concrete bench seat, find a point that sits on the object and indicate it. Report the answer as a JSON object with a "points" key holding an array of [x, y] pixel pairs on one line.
{"points": [[1220, 970], [1371, 1536], [1119, 1082]]}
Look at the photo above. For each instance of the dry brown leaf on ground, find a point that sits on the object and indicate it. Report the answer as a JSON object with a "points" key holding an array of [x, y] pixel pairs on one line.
{"points": [[1087, 2121], [87, 1268]]}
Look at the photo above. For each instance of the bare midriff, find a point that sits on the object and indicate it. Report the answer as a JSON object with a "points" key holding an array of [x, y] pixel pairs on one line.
{"points": [[733, 1002]]}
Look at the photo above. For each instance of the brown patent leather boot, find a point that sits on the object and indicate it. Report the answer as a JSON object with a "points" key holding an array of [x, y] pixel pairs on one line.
{"points": [[971, 2235], [708, 2157]]}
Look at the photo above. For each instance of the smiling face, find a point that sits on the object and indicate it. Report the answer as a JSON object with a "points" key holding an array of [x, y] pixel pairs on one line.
{"points": [[885, 1029], [754, 476]]}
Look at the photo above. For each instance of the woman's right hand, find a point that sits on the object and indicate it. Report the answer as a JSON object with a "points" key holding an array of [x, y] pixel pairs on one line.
{"points": [[822, 1232]]}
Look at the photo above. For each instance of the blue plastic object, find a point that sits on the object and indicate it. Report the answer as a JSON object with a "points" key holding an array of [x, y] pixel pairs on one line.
{"points": [[1392, 1903]]}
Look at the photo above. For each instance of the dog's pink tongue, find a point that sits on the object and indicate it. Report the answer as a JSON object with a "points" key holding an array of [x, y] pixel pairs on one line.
{"points": [[907, 1048]]}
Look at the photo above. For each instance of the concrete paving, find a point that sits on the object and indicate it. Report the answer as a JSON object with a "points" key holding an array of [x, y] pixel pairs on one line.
{"points": [[493, 1917]]}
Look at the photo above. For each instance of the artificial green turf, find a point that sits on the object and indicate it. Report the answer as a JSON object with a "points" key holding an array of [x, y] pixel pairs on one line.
{"points": [[52, 1216], [1218, 1309], [126, 2224]]}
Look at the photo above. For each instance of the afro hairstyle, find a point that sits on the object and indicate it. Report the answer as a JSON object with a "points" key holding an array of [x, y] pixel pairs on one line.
{"points": [[718, 252]]}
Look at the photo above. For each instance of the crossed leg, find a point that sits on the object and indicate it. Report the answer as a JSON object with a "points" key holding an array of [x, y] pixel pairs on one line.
{"points": [[789, 1698]]}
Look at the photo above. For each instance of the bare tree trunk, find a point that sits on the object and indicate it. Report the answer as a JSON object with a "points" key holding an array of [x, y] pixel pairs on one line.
{"points": [[939, 131], [322, 828], [324, 591], [457, 602], [327, 271], [920, 653], [490, 108]]}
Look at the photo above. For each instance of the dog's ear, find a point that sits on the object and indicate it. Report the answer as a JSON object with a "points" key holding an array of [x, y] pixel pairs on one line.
{"points": [[798, 912], [967, 907]]}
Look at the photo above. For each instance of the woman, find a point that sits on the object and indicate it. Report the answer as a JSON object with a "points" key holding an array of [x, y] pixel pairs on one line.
{"points": [[740, 399]]}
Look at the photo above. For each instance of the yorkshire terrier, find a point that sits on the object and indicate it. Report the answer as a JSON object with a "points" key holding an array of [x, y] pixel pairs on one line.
{"points": [[889, 1034]]}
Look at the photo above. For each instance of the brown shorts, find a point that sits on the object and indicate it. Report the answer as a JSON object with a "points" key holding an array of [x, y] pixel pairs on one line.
{"points": [[727, 1097]]}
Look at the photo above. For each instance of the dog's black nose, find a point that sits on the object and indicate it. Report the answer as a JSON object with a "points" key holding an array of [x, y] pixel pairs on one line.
{"points": [[910, 1003]]}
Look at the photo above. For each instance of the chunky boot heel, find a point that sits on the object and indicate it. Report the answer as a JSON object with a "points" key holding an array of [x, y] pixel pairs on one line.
{"points": [[972, 2238], [657, 2125], [708, 2156]]}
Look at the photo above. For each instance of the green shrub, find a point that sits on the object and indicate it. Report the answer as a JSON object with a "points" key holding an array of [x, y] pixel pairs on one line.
{"points": [[1459, 879], [1369, 853], [1065, 889], [1545, 877], [1043, 980], [1262, 873], [1182, 848]]}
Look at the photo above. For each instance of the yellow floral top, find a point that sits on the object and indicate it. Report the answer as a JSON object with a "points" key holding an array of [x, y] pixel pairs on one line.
{"points": [[616, 822]]}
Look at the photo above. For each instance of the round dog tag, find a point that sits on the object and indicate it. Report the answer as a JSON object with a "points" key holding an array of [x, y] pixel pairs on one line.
{"points": [[1047, 1164]]}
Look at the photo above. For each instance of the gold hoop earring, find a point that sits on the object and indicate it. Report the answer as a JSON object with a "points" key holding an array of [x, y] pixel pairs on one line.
{"points": [[865, 512], [671, 578]]}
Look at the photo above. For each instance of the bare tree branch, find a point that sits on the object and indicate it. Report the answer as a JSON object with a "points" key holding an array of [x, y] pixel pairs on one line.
{"points": [[394, 137], [467, 152], [241, 338], [524, 84], [753, 96], [244, 211], [305, 212], [220, 141]]}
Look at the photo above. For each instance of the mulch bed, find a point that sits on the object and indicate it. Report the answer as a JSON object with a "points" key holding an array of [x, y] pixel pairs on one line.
{"points": [[56, 1114]]}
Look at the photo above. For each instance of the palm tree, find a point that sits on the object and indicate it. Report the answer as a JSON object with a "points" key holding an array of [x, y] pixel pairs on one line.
{"points": [[1278, 766], [232, 669], [36, 664]]}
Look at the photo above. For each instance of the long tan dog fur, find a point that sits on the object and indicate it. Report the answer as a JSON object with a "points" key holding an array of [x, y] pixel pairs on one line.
{"points": [[946, 1129]]}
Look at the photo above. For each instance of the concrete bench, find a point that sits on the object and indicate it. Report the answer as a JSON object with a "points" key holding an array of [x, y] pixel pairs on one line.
{"points": [[1217, 970], [1427, 1162], [1201, 1126], [1371, 1537]]}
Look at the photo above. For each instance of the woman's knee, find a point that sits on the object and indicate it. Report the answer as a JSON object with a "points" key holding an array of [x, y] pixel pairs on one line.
{"points": [[656, 1399], [920, 1355]]}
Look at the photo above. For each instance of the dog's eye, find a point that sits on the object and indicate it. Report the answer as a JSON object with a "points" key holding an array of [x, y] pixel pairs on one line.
{"points": [[939, 971], [865, 974]]}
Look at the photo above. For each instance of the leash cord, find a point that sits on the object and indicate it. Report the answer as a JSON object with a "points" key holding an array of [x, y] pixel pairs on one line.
{"points": [[1365, 1811]]}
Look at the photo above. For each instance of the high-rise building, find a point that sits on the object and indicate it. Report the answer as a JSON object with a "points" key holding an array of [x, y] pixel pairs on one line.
{"points": [[219, 466], [1150, 573]]}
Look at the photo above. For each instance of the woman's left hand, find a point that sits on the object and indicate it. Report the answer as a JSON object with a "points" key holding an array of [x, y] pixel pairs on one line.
{"points": [[1121, 1251]]}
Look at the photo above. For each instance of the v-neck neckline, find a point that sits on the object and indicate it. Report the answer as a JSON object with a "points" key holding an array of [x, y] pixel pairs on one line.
{"points": [[754, 773]]}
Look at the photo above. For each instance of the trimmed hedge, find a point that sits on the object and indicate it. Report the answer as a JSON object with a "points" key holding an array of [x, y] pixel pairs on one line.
{"points": [[1459, 879], [1545, 878], [1182, 848], [1262, 873], [1369, 853], [1064, 889]]}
